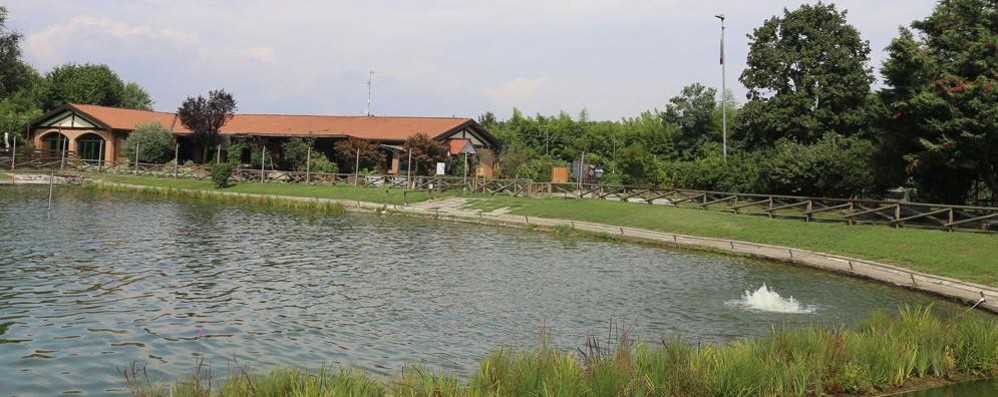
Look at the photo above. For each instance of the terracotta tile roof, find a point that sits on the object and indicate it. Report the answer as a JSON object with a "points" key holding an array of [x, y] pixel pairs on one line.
{"points": [[381, 128], [127, 119], [457, 145]]}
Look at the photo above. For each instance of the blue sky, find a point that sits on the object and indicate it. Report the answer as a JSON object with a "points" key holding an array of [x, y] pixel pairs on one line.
{"points": [[431, 57]]}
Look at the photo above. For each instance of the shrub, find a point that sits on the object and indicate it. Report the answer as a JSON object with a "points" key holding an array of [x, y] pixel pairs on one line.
{"points": [[321, 164], [295, 151], [220, 174], [835, 166], [155, 144]]}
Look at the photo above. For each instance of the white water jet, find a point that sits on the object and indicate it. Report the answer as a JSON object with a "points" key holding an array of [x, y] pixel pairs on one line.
{"points": [[767, 300]]}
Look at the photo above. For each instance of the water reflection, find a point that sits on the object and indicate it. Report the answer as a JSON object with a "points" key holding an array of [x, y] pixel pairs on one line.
{"points": [[118, 277]]}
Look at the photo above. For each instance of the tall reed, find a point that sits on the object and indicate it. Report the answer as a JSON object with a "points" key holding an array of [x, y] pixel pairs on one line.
{"points": [[886, 353]]}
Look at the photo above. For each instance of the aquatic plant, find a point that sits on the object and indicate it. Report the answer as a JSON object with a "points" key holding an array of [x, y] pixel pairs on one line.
{"points": [[886, 353]]}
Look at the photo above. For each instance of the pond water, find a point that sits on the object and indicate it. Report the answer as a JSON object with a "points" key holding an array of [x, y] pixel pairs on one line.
{"points": [[119, 278]]}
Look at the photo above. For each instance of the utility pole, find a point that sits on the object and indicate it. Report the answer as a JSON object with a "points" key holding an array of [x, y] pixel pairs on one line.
{"points": [[724, 92], [370, 83]]}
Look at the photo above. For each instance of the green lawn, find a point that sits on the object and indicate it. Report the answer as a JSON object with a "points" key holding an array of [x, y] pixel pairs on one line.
{"points": [[5, 176], [374, 195], [963, 255]]}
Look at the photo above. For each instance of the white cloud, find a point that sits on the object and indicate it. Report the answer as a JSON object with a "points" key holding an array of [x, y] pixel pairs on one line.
{"points": [[521, 91], [49, 46], [230, 55]]}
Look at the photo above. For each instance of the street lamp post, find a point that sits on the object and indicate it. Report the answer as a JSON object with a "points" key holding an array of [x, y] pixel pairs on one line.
{"points": [[724, 91]]}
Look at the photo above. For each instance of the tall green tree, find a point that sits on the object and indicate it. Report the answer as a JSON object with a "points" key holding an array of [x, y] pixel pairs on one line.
{"points": [[86, 84], [206, 116], [941, 100], [807, 76], [135, 97], [693, 112], [15, 74]]}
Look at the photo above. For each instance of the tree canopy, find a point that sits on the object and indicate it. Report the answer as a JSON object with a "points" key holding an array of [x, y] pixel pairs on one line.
{"points": [[206, 116], [942, 99], [807, 76]]}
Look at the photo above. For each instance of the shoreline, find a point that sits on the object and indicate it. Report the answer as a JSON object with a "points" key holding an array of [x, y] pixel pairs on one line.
{"points": [[940, 286]]}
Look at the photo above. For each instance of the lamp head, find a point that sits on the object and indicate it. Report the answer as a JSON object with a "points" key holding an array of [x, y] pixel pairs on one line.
{"points": [[719, 16]]}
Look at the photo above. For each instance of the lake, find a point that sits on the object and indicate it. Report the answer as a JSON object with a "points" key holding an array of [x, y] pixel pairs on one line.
{"points": [[117, 278]]}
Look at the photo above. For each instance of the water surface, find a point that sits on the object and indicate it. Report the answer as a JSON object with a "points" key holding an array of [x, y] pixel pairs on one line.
{"points": [[118, 277]]}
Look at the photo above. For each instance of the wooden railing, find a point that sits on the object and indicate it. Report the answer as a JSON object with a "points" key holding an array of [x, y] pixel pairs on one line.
{"points": [[822, 209]]}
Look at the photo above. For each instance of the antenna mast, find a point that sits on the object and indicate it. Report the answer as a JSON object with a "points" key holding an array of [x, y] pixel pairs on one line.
{"points": [[370, 83]]}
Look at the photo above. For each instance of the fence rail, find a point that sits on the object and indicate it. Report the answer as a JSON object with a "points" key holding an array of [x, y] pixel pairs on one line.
{"points": [[892, 213]]}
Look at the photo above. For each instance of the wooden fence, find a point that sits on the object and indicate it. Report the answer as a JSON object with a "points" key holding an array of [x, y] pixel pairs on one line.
{"points": [[810, 209], [822, 209]]}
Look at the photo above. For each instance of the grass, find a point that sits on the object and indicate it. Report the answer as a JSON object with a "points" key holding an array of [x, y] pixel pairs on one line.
{"points": [[966, 256], [373, 195], [5, 176], [918, 346]]}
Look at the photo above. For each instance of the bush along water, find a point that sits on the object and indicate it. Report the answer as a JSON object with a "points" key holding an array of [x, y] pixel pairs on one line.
{"points": [[886, 353]]}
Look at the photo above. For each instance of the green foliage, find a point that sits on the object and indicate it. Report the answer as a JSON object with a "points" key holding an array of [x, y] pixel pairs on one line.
{"points": [[942, 102], [321, 164], [426, 153], [85, 84], [879, 357], [15, 74], [135, 97], [693, 112], [835, 167], [346, 154], [234, 153], [155, 144], [295, 152], [806, 77], [638, 167], [220, 174]]}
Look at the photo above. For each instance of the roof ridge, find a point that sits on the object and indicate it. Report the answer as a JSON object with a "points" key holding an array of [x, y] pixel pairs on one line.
{"points": [[353, 116]]}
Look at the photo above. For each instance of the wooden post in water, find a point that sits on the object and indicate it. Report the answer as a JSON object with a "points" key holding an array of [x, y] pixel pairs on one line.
{"points": [[356, 169], [465, 172], [408, 171], [263, 163], [100, 156], [51, 184], [65, 147], [176, 158], [308, 165]]}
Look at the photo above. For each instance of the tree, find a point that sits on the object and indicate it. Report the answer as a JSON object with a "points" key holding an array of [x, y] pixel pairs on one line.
{"points": [[206, 116], [836, 166], [155, 143], [693, 112], [86, 84], [426, 152], [941, 100], [345, 151], [638, 167], [807, 76], [15, 74], [295, 152], [135, 97]]}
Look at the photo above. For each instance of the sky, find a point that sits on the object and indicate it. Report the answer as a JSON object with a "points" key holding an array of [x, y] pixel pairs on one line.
{"points": [[430, 57]]}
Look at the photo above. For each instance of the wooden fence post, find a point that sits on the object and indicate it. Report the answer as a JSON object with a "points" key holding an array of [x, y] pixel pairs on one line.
{"points": [[308, 165], [13, 154]]}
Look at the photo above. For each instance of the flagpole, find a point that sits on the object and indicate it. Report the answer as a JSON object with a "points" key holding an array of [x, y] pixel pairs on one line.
{"points": [[724, 93]]}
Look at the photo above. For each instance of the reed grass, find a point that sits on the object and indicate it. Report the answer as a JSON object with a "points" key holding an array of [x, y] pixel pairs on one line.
{"points": [[887, 353]]}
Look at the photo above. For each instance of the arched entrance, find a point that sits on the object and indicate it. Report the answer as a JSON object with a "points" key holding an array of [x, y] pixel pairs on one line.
{"points": [[89, 146], [54, 142]]}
